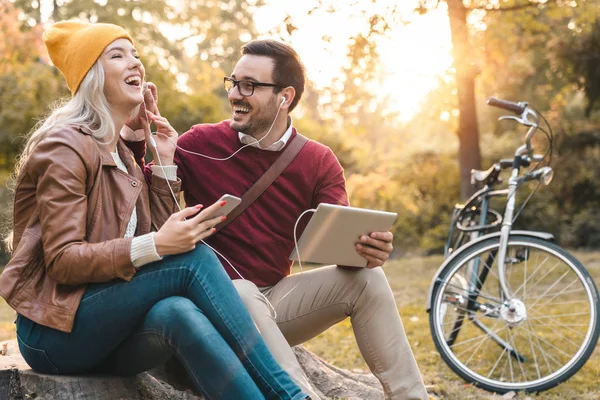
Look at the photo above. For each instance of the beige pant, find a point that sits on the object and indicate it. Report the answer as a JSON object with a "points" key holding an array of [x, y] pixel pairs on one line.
{"points": [[324, 297]]}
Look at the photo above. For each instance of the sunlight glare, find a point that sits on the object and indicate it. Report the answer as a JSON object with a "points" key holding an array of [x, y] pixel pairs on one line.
{"points": [[412, 56]]}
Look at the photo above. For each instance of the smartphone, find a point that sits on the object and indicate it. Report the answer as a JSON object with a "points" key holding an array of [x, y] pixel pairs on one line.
{"points": [[232, 202]]}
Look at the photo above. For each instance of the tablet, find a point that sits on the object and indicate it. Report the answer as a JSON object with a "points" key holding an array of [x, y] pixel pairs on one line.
{"points": [[333, 231]]}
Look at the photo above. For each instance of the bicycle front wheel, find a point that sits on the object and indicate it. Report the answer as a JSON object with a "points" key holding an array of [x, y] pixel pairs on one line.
{"points": [[534, 340]]}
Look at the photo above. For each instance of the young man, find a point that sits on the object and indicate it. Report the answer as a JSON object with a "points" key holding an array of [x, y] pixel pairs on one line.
{"points": [[265, 86]]}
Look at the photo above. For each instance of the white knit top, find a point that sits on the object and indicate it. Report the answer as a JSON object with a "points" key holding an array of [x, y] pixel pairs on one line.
{"points": [[143, 249]]}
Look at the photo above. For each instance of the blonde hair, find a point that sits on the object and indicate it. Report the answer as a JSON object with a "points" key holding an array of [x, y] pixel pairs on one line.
{"points": [[88, 108]]}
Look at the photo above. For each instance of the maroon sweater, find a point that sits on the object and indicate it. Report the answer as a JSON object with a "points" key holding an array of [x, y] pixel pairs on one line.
{"points": [[259, 242]]}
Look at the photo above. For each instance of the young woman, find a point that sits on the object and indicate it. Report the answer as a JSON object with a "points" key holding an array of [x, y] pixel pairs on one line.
{"points": [[102, 263]]}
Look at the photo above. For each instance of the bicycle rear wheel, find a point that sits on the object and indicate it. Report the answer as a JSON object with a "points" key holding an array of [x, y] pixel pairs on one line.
{"points": [[532, 343]]}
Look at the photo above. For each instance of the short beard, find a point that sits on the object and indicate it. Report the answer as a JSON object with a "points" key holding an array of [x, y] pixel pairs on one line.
{"points": [[259, 127]]}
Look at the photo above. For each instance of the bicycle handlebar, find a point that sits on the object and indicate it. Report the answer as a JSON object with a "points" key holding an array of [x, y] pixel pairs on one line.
{"points": [[517, 108], [526, 116]]}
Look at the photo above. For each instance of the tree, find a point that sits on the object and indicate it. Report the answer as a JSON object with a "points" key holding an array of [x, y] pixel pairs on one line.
{"points": [[190, 86], [466, 73], [469, 154], [20, 381], [580, 56], [27, 83]]}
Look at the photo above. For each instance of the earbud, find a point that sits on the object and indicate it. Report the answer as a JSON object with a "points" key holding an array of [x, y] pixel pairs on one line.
{"points": [[283, 100]]}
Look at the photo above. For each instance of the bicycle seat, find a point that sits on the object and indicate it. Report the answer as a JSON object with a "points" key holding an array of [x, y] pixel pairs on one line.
{"points": [[489, 177]]}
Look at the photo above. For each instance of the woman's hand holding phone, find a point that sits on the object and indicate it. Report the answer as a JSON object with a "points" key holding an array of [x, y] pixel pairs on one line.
{"points": [[185, 228]]}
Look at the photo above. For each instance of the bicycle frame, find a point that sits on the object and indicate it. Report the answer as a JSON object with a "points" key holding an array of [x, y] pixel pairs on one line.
{"points": [[507, 222], [458, 252], [528, 118], [477, 275], [483, 294]]}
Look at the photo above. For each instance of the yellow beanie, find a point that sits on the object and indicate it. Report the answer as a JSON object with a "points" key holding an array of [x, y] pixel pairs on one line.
{"points": [[74, 47]]}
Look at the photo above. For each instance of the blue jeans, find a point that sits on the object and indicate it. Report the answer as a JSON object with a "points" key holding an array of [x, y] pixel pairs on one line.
{"points": [[186, 301]]}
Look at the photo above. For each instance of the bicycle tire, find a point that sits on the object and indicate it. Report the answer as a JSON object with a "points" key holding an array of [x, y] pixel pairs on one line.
{"points": [[543, 336]]}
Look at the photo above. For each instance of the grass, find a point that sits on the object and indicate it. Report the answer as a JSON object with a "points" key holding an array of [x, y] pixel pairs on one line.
{"points": [[7, 318], [409, 279]]}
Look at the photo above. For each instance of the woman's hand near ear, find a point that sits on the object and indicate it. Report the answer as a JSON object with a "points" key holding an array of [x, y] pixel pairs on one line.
{"points": [[165, 140], [151, 98], [135, 124]]}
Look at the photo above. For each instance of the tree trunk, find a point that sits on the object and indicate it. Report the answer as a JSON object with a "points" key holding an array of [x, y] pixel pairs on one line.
{"points": [[468, 134], [19, 382]]}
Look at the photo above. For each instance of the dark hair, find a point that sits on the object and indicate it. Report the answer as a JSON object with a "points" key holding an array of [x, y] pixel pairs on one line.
{"points": [[288, 70]]}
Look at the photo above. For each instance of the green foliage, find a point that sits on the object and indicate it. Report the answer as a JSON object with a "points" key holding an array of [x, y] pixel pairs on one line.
{"points": [[581, 58], [7, 318], [544, 54], [569, 206], [27, 83], [409, 279], [539, 54], [5, 210], [422, 190]]}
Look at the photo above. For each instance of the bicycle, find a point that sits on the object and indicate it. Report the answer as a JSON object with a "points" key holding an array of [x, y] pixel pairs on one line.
{"points": [[509, 310]]}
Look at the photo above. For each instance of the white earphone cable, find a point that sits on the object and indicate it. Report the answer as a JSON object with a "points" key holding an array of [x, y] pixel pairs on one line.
{"points": [[154, 144], [179, 207], [234, 153]]}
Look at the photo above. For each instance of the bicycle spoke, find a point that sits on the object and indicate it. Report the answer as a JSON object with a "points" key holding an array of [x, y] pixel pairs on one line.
{"points": [[559, 262], [504, 350], [564, 337], [525, 279], [535, 350], [538, 345], [565, 325], [534, 354], [535, 272], [551, 287], [514, 346], [445, 324], [560, 315], [485, 335], [576, 280], [558, 349], [565, 302], [465, 325], [488, 335]]}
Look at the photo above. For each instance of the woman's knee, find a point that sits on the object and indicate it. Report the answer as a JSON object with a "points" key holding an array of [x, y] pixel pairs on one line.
{"points": [[201, 258], [170, 312], [178, 319], [203, 255]]}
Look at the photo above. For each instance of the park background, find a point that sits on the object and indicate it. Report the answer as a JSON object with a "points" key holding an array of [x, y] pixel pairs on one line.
{"points": [[396, 88]]}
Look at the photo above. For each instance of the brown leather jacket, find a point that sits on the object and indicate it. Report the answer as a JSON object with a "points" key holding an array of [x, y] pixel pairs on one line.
{"points": [[71, 209]]}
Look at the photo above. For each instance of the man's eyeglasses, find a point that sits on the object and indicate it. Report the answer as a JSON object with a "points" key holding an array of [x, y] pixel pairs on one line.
{"points": [[245, 87]]}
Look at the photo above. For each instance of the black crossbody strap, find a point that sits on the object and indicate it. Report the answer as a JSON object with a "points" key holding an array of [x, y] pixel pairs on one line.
{"points": [[266, 179]]}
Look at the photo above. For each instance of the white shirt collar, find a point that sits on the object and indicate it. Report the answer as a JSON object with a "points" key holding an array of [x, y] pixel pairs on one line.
{"points": [[278, 145]]}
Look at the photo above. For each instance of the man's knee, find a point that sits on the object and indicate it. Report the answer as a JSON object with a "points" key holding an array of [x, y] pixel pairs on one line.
{"points": [[256, 303], [377, 277], [372, 284], [373, 277]]}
